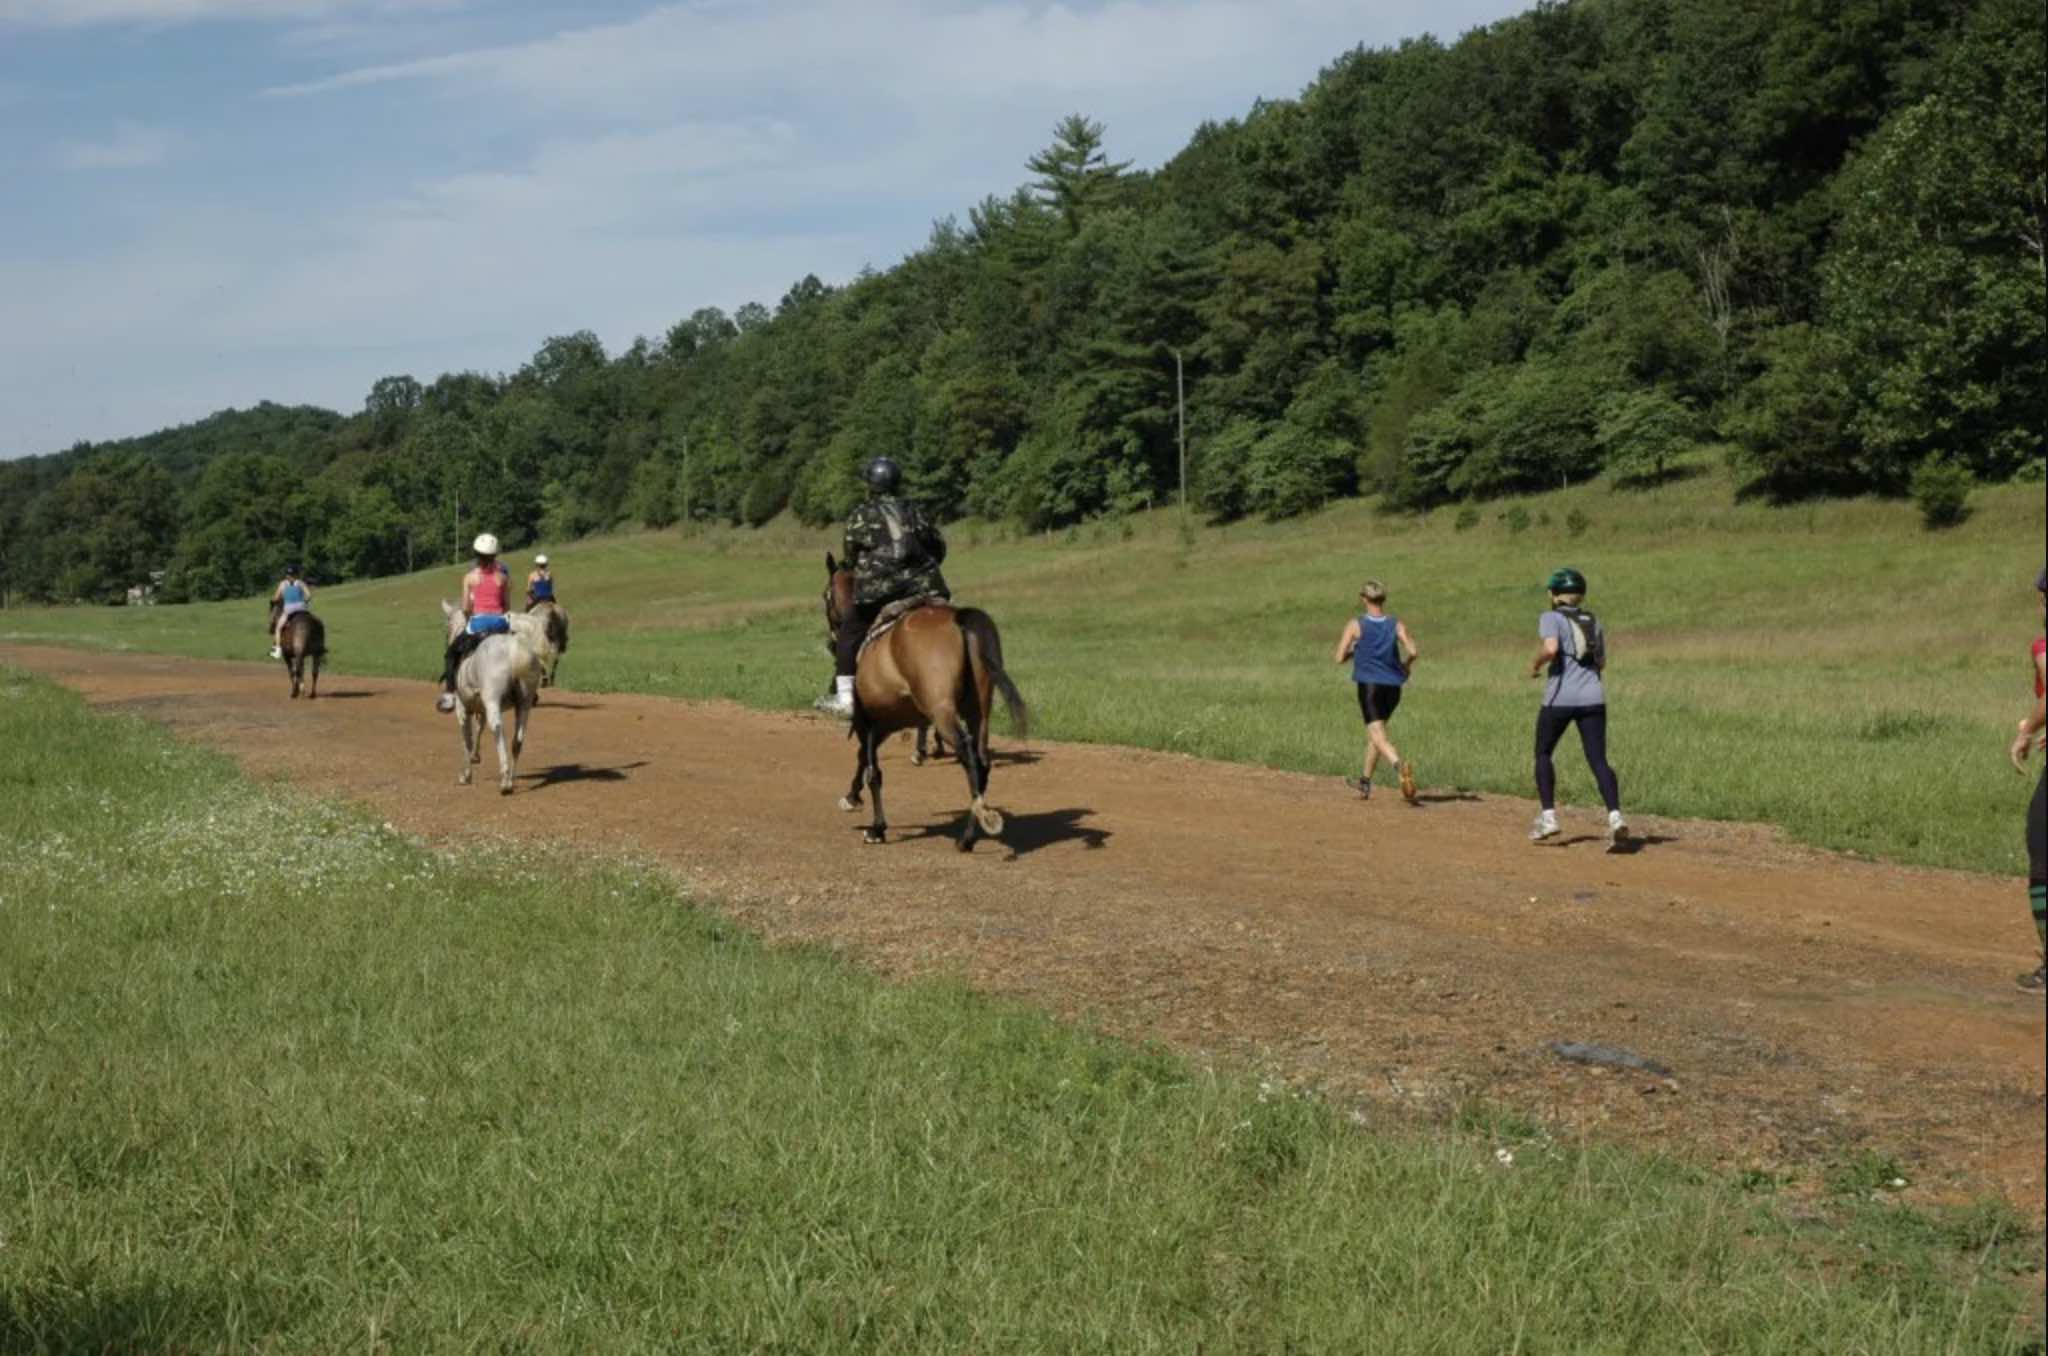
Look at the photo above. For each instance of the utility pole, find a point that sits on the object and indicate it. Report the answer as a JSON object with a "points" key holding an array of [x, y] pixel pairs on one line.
{"points": [[1180, 405]]}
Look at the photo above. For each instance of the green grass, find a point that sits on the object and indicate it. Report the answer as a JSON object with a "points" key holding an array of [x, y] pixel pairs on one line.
{"points": [[1833, 669], [278, 1078]]}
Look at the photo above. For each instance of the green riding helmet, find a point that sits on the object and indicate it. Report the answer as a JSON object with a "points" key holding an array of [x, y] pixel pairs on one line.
{"points": [[1566, 580]]}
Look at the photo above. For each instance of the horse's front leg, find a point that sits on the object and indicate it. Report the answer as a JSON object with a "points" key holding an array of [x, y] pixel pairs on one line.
{"points": [[878, 828], [851, 800]]}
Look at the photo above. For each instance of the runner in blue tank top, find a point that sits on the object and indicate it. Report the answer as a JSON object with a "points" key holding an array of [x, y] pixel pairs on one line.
{"points": [[1381, 656]]}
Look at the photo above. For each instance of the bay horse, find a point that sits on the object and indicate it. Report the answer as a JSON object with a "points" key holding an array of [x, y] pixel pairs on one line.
{"points": [[303, 638], [503, 670], [555, 618], [939, 665]]}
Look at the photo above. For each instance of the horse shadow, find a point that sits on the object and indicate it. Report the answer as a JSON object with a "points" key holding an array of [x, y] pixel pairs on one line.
{"points": [[1024, 834], [576, 772]]}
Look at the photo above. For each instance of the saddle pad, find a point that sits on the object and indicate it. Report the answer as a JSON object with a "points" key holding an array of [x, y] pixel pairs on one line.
{"points": [[885, 620]]}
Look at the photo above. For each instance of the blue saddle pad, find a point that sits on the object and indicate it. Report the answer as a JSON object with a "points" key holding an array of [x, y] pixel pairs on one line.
{"points": [[489, 624]]}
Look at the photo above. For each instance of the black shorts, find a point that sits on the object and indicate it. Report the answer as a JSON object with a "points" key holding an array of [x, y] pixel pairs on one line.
{"points": [[1376, 701]]}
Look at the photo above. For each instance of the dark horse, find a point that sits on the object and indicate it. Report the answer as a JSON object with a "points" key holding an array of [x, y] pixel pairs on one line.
{"points": [[303, 638], [940, 665]]}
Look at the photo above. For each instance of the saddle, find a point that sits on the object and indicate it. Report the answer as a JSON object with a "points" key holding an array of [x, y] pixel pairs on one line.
{"points": [[892, 613]]}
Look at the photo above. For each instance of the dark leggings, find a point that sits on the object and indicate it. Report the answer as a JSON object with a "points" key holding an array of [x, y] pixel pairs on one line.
{"points": [[2037, 834], [1551, 722], [459, 649], [853, 628]]}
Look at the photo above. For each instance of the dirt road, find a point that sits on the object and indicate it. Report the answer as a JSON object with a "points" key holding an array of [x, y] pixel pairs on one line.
{"points": [[1406, 960]]}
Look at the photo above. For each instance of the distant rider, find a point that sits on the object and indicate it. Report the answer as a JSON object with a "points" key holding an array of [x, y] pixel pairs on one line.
{"points": [[894, 552], [291, 595], [540, 585], [486, 590]]}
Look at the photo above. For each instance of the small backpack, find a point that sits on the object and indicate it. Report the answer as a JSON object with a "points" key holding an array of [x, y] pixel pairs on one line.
{"points": [[1589, 637]]}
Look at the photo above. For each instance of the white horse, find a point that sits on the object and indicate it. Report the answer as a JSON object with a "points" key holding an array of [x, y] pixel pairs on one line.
{"points": [[503, 670]]}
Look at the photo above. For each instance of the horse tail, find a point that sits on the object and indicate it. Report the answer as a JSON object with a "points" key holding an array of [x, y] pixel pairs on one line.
{"points": [[985, 654]]}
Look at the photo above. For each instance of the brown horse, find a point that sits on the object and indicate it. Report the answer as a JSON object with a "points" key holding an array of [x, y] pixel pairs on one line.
{"points": [[303, 638], [940, 665]]}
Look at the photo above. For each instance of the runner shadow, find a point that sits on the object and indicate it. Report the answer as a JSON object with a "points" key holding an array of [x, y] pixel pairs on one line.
{"points": [[1636, 842], [577, 772]]}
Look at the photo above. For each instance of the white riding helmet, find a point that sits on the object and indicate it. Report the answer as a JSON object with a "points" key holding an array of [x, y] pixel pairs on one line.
{"points": [[540, 560], [485, 545]]}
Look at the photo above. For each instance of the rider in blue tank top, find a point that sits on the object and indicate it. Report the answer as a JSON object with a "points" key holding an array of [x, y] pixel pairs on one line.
{"points": [[291, 595]]}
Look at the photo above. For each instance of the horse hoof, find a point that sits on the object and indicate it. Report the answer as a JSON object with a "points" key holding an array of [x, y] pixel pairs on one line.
{"points": [[848, 803]]}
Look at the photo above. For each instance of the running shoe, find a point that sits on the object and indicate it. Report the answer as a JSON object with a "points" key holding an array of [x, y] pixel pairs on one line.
{"points": [[1362, 785], [2036, 983], [1617, 831], [1544, 826], [1408, 781]]}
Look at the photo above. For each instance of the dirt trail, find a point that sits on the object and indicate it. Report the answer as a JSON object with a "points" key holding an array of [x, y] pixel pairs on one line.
{"points": [[1402, 958]]}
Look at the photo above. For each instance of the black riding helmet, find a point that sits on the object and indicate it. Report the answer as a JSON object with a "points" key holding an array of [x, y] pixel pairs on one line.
{"points": [[1566, 580], [882, 475]]}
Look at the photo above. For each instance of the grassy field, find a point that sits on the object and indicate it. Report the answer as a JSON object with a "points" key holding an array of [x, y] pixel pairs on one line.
{"points": [[1833, 669], [277, 1078]]}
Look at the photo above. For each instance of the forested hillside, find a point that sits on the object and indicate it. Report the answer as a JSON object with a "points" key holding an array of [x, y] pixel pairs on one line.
{"points": [[1585, 239]]}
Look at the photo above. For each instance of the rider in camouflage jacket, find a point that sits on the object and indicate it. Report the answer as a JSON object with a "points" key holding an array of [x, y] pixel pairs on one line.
{"points": [[894, 552]]}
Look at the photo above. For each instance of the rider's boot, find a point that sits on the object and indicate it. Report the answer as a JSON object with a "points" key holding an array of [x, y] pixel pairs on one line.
{"points": [[840, 702], [446, 701]]}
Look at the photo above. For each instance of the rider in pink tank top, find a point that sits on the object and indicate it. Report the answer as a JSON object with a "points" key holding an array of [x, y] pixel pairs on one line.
{"points": [[488, 593]]}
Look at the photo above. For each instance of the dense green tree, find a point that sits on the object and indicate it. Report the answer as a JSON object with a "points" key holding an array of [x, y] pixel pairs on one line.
{"points": [[1574, 240]]}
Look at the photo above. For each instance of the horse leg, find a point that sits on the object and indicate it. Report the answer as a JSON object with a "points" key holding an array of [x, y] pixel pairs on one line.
{"points": [[494, 712], [469, 751], [878, 830]]}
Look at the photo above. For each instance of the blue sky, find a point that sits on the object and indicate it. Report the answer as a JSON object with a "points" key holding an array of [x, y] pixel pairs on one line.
{"points": [[214, 202]]}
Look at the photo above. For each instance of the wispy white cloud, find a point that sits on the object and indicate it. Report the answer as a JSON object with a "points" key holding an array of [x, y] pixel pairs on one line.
{"points": [[132, 146], [613, 177], [87, 13]]}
